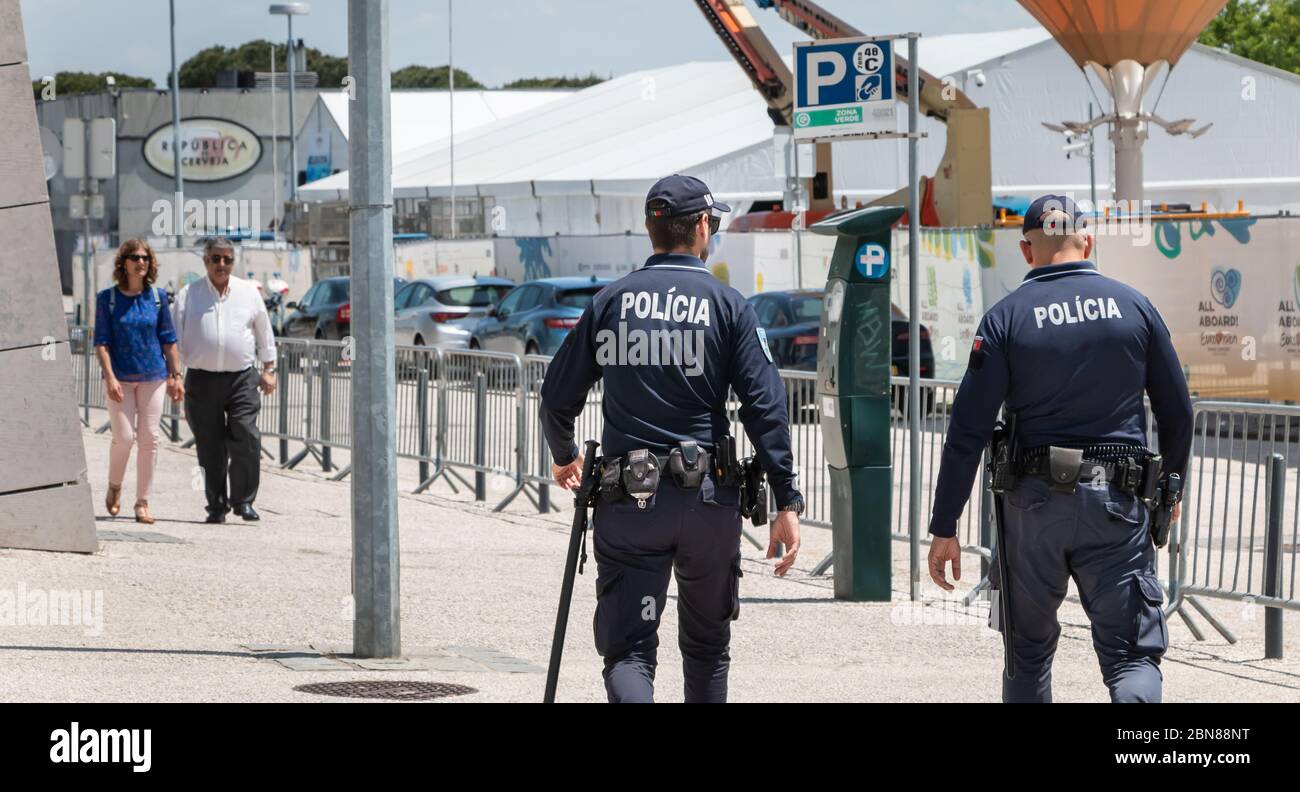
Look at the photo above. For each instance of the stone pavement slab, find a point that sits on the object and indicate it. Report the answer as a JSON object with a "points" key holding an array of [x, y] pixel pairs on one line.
{"points": [[198, 619]]}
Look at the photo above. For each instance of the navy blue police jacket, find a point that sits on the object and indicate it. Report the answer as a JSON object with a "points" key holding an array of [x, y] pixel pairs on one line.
{"points": [[669, 340], [1070, 352]]}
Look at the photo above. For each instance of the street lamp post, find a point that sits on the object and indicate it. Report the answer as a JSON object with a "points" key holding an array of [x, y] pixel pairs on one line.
{"points": [[178, 184], [289, 11]]}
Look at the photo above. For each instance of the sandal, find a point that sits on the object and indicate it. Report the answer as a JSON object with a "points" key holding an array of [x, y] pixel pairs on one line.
{"points": [[113, 500], [142, 513]]}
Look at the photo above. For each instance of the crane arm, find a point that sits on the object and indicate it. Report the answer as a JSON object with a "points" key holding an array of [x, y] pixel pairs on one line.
{"points": [[740, 33]]}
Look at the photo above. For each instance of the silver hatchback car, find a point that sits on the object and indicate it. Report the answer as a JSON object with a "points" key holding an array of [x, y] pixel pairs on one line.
{"points": [[442, 312]]}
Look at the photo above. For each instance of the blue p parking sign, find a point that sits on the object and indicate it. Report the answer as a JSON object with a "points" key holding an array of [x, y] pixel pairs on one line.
{"points": [[844, 87], [872, 261]]}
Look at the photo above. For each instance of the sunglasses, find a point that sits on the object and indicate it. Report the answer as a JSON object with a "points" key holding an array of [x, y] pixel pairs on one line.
{"points": [[217, 258], [715, 222], [139, 257]]}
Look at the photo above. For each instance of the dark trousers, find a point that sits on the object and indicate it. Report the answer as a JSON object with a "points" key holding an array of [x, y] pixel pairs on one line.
{"points": [[221, 409], [694, 533], [1097, 536]]}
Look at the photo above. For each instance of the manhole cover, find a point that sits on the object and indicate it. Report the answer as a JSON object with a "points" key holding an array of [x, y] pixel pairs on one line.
{"points": [[387, 689]]}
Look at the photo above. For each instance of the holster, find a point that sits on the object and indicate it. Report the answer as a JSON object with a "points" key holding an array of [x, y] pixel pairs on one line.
{"points": [[611, 480], [1149, 488], [1003, 457], [688, 464], [640, 476], [753, 494], [726, 467], [1063, 468]]}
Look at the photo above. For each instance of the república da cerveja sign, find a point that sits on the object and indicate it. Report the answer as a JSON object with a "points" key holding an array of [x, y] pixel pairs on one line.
{"points": [[212, 149]]}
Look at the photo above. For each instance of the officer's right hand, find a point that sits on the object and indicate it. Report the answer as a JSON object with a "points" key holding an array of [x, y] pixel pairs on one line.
{"points": [[943, 550], [568, 476], [784, 531]]}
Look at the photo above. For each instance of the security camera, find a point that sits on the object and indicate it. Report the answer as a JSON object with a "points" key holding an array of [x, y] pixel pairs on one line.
{"points": [[980, 79]]}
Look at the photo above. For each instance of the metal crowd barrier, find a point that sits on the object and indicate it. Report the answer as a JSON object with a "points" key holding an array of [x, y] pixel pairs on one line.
{"points": [[1241, 513], [471, 412]]}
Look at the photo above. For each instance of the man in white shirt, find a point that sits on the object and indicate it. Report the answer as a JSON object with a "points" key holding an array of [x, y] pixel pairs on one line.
{"points": [[224, 334]]}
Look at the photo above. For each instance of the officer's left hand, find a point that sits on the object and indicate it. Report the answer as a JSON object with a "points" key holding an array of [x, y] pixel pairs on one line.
{"points": [[943, 550], [784, 531], [568, 476]]}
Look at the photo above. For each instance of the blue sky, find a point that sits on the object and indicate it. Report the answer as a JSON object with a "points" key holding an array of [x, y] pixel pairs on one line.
{"points": [[495, 40]]}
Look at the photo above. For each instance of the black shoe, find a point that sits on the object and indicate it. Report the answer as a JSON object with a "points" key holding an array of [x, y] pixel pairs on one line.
{"points": [[246, 511], [216, 517]]}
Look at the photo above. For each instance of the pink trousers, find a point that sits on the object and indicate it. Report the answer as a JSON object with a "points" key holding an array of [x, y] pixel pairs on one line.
{"points": [[135, 419]]}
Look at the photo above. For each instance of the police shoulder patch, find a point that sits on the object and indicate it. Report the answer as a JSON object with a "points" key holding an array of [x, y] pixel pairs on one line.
{"points": [[762, 341], [977, 353]]}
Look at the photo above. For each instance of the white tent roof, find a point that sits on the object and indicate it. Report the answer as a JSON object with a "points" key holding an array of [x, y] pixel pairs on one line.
{"points": [[636, 127], [422, 116], [945, 55], [615, 138], [619, 135]]}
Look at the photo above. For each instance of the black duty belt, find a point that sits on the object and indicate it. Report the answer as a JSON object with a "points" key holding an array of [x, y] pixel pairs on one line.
{"points": [[1064, 468], [637, 473]]}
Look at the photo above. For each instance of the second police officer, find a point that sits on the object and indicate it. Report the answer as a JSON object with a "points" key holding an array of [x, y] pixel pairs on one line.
{"points": [[1070, 353], [670, 341]]}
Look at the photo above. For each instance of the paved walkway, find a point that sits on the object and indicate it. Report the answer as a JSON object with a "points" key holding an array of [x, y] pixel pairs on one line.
{"points": [[246, 612]]}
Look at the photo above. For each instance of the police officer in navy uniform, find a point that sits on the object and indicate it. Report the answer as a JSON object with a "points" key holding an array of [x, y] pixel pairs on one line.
{"points": [[670, 341], [1070, 353]]}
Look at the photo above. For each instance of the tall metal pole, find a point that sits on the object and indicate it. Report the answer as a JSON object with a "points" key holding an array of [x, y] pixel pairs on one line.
{"points": [[797, 221], [275, 152], [179, 185], [451, 118], [293, 144], [88, 289], [914, 311], [376, 632], [1092, 160]]}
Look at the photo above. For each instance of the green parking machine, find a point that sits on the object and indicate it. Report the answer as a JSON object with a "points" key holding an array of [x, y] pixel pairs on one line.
{"points": [[853, 359]]}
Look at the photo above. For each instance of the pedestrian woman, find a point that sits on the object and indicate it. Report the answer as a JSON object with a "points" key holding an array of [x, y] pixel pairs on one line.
{"points": [[136, 346]]}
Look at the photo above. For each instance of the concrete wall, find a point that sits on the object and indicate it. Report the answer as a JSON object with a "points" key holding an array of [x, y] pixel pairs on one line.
{"points": [[45, 501]]}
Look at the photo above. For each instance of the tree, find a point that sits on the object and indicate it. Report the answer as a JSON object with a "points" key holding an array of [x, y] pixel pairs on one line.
{"points": [[556, 82], [425, 77], [1267, 31], [200, 71], [73, 83]]}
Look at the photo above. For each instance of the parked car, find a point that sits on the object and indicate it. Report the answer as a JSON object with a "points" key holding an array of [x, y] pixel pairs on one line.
{"points": [[442, 312], [902, 340], [792, 322], [325, 311], [535, 317], [900, 366]]}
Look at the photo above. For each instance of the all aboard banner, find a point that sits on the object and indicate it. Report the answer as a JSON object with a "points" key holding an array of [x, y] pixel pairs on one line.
{"points": [[1229, 290]]}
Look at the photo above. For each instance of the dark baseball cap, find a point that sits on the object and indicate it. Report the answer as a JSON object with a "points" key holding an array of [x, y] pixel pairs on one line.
{"points": [[1051, 203], [677, 195]]}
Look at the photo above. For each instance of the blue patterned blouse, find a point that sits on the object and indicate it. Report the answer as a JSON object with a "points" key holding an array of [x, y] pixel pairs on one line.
{"points": [[134, 332]]}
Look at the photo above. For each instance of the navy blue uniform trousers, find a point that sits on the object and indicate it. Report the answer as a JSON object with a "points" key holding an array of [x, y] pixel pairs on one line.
{"points": [[694, 534], [1097, 536]]}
